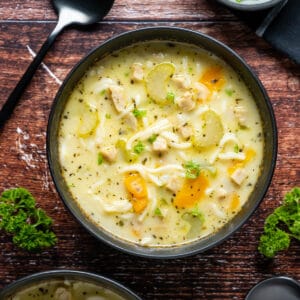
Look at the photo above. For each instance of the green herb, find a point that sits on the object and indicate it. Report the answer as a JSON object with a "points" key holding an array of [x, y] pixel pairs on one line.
{"points": [[163, 201], [236, 148], [152, 138], [229, 92], [108, 116], [192, 169], [103, 92], [29, 226], [128, 155], [196, 220], [170, 97], [139, 113], [100, 159], [197, 213], [157, 212], [139, 148], [282, 225]]}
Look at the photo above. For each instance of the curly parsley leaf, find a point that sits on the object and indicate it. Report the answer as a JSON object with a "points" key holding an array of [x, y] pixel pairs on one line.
{"points": [[192, 169], [139, 147], [152, 138], [282, 225], [100, 159], [29, 226], [139, 113], [170, 97], [157, 212]]}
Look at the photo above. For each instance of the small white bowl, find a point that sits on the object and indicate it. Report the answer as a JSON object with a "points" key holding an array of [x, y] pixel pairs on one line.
{"points": [[250, 7]]}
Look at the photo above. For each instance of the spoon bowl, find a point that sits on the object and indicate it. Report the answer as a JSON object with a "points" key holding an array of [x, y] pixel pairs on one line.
{"points": [[82, 12], [70, 12]]}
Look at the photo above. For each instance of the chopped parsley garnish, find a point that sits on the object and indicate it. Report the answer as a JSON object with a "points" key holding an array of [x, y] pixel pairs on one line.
{"points": [[29, 226], [152, 138], [192, 169], [170, 96], [163, 201], [236, 148], [100, 159], [139, 113], [197, 213], [108, 116], [157, 212], [139, 147], [229, 92], [282, 225]]}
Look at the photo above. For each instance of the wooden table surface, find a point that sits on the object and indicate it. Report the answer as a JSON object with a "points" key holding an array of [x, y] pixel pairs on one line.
{"points": [[224, 272]]}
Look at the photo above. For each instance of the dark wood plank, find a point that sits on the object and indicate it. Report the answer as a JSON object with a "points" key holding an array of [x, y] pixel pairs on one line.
{"points": [[122, 10], [224, 272]]}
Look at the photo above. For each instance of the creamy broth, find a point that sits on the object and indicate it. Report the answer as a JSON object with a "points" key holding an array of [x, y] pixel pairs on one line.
{"points": [[160, 143], [65, 290], [249, 2]]}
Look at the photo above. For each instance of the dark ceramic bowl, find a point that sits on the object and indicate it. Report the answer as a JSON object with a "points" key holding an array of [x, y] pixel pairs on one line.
{"points": [[262, 101], [37, 278], [275, 288], [250, 7]]}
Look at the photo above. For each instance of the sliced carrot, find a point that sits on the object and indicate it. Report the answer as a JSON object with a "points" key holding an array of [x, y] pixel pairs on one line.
{"points": [[235, 202], [234, 167], [136, 185], [136, 233], [249, 154], [139, 204], [137, 188], [192, 192], [213, 78]]}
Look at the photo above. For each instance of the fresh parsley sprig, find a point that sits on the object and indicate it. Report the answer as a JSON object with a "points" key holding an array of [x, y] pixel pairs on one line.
{"points": [[29, 226], [282, 225]]}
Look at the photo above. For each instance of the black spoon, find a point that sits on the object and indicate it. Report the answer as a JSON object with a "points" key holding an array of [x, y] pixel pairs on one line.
{"points": [[70, 12]]}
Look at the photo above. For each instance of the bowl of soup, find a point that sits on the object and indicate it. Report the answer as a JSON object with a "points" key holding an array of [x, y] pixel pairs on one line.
{"points": [[162, 142], [250, 5], [66, 285]]}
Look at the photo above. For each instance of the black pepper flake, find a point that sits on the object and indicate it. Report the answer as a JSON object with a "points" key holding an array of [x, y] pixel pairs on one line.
{"points": [[171, 45]]}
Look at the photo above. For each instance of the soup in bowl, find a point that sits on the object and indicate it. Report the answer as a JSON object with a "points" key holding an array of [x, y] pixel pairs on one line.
{"points": [[66, 285], [157, 142]]}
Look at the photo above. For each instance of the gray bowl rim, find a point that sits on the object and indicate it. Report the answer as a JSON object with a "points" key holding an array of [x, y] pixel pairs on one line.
{"points": [[274, 280], [136, 251], [72, 274], [250, 7]]}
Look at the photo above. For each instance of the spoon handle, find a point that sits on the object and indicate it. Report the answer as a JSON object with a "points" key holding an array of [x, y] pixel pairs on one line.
{"points": [[14, 97]]}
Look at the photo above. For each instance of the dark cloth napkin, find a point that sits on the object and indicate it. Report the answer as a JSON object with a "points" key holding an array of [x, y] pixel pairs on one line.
{"points": [[280, 26]]}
